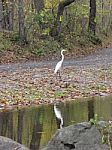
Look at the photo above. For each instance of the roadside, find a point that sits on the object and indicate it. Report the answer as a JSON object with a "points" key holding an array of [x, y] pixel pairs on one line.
{"points": [[14, 53]]}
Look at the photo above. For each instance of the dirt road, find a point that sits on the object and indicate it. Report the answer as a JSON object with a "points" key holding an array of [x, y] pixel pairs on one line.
{"points": [[101, 57]]}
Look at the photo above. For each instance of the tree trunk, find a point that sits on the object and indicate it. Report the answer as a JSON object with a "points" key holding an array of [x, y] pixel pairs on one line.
{"points": [[11, 15], [102, 8], [39, 5], [6, 18], [61, 7], [92, 17], [22, 34], [5, 15], [1, 15]]}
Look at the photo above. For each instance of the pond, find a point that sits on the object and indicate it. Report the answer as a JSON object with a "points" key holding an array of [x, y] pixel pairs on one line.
{"points": [[34, 126]]}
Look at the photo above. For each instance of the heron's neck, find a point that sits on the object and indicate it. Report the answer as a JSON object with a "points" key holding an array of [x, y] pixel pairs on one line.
{"points": [[62, 56]]}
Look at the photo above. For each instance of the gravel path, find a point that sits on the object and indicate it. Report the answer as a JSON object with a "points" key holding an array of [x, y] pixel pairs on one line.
{"points": [[101, 57]]}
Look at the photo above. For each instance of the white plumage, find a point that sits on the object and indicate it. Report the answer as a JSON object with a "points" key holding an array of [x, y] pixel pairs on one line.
{"points": [[58, 115], [59, 64]]}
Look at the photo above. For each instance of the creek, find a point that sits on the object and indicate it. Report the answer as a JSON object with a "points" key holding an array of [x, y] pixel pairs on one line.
{"points": [[35, 125]]}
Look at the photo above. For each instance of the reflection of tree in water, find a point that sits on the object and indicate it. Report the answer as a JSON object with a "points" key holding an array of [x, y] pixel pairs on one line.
{"points": [[36, 134], [20, 125], [6, 124], [10, 125], [90, 109]]}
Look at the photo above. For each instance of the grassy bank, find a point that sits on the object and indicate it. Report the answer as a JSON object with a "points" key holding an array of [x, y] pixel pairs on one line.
{"points": [[46, 47]]}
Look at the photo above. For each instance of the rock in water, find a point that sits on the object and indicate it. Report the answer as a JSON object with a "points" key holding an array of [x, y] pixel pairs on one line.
{"points": [[8, 144], [81, 136]]}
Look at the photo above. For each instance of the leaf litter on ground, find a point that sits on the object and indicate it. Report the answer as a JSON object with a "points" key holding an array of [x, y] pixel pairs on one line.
{"points": [[41, 86]]}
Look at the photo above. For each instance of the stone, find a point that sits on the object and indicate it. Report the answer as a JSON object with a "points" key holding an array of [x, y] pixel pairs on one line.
{"points": [[9, 144], [82, 136]]}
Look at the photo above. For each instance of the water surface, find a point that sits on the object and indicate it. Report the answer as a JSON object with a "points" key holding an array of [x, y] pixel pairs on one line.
{"points": [[34, 126]]}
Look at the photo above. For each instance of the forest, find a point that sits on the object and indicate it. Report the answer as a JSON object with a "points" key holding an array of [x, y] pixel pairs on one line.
{"points": [[33, 31], [37, 28]]}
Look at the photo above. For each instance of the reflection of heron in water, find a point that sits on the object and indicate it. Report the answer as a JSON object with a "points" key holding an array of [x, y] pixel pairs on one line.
{"points": [[58, 116]]}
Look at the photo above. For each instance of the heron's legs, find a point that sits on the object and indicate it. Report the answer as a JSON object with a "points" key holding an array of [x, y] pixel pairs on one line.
{"points": [[59, 75]]}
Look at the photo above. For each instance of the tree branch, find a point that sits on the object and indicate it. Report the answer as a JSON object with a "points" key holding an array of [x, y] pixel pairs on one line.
{"points": [[61, 7]]}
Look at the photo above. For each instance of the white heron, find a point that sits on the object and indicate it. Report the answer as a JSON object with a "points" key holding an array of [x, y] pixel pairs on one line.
{"points": [[59, 64], [58, 115]]}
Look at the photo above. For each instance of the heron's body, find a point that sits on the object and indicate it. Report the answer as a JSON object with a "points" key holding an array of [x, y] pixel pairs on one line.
{"points": [[59, 64]]}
